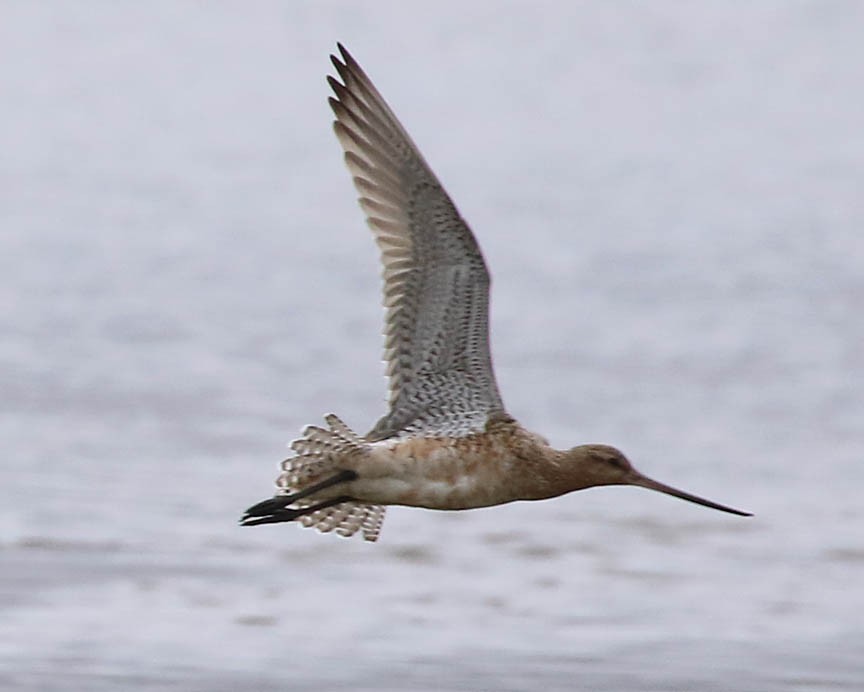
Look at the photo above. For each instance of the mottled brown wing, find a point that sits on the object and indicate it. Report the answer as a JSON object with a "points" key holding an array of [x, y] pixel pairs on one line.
{"points": [[436, 285]]}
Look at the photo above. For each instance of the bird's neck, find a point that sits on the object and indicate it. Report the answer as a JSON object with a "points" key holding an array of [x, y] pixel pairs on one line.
{"points": [[548, 472]]}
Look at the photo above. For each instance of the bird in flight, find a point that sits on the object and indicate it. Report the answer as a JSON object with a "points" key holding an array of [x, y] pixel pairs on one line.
{"points": [[447, 442]]}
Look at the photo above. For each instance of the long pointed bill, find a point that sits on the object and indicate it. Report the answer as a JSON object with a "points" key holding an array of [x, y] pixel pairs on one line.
{"points": [[651, 484]]}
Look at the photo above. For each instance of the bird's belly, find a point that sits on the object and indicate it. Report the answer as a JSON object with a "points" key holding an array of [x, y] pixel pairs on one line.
{"points": [[435, 476], [466, 493]]}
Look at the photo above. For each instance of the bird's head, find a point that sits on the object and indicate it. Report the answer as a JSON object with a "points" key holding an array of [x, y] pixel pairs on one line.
{"points": [[605, 465]]}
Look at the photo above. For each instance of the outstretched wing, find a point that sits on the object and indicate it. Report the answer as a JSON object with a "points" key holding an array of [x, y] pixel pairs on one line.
{"points": [[436, 285]]}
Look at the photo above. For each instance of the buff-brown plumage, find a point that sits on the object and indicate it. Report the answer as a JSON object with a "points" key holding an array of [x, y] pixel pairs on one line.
{"points": [[446, 441]]}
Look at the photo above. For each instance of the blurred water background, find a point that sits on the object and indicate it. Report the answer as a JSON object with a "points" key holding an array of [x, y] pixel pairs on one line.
{"points": [[670, 198]]}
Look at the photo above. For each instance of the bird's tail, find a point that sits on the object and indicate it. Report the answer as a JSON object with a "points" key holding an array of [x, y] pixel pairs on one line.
{"points": [[318, 455]]}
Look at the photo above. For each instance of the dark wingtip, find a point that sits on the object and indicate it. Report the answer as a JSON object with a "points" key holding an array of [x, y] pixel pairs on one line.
{"points": [[346, 56], [347, 65], [344, 59]]}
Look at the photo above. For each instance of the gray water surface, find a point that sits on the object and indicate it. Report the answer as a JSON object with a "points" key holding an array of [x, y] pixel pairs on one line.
{"points": [[670, 198]]}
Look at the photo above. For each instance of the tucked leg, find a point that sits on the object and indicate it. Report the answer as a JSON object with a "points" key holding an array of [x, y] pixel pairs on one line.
{"points": [[279, 503], [279, 515]]}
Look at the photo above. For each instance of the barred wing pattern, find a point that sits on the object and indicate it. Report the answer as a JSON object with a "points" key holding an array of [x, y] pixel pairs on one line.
{"points": [[436, 285]]}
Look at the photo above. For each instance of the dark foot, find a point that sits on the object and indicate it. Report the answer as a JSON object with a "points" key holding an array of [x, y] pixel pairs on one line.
{"points": [[274, 517], [282, 501], [278, 514], [269, 506]]}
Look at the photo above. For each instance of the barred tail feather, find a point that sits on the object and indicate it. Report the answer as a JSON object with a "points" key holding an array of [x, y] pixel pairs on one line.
{"points": [[347, 518], [318, 455]]}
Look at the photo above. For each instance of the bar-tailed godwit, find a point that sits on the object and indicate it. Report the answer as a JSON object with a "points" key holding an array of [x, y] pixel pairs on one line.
{"points": [[447, 442]]}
